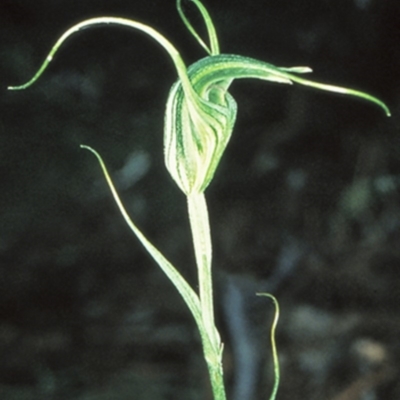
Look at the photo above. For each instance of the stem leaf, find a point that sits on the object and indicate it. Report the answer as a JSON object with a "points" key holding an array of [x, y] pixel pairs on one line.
{"points": [[190, 297], [273, 344]]}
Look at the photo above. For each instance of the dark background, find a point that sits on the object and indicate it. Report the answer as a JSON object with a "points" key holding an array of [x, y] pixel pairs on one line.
{"points": [[305, 203]]}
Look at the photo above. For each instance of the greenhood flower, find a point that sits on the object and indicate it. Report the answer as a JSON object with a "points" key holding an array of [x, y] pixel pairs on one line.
{"points": [[199, 119], [200, 113]]}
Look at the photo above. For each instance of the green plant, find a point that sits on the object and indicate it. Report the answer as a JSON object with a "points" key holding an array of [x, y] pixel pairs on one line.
{"points": [[199, 119]]}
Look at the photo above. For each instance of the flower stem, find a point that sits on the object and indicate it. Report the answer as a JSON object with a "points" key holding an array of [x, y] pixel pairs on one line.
{"points": [[212, 347]]}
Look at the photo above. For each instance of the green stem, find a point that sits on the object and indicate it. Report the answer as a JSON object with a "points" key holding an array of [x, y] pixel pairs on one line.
{"points": [[217, 381], [199, 223]]}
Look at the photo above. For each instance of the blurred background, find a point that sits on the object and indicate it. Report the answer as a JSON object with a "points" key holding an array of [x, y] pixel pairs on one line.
{"points": [[305, 204]]}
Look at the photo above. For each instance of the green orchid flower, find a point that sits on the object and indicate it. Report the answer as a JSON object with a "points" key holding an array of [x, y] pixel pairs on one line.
{"points": [[200, 112], [199, 119]]}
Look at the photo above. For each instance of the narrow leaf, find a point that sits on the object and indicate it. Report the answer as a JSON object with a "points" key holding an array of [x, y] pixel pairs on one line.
{"points": [[190, 297], [273, 344]]}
